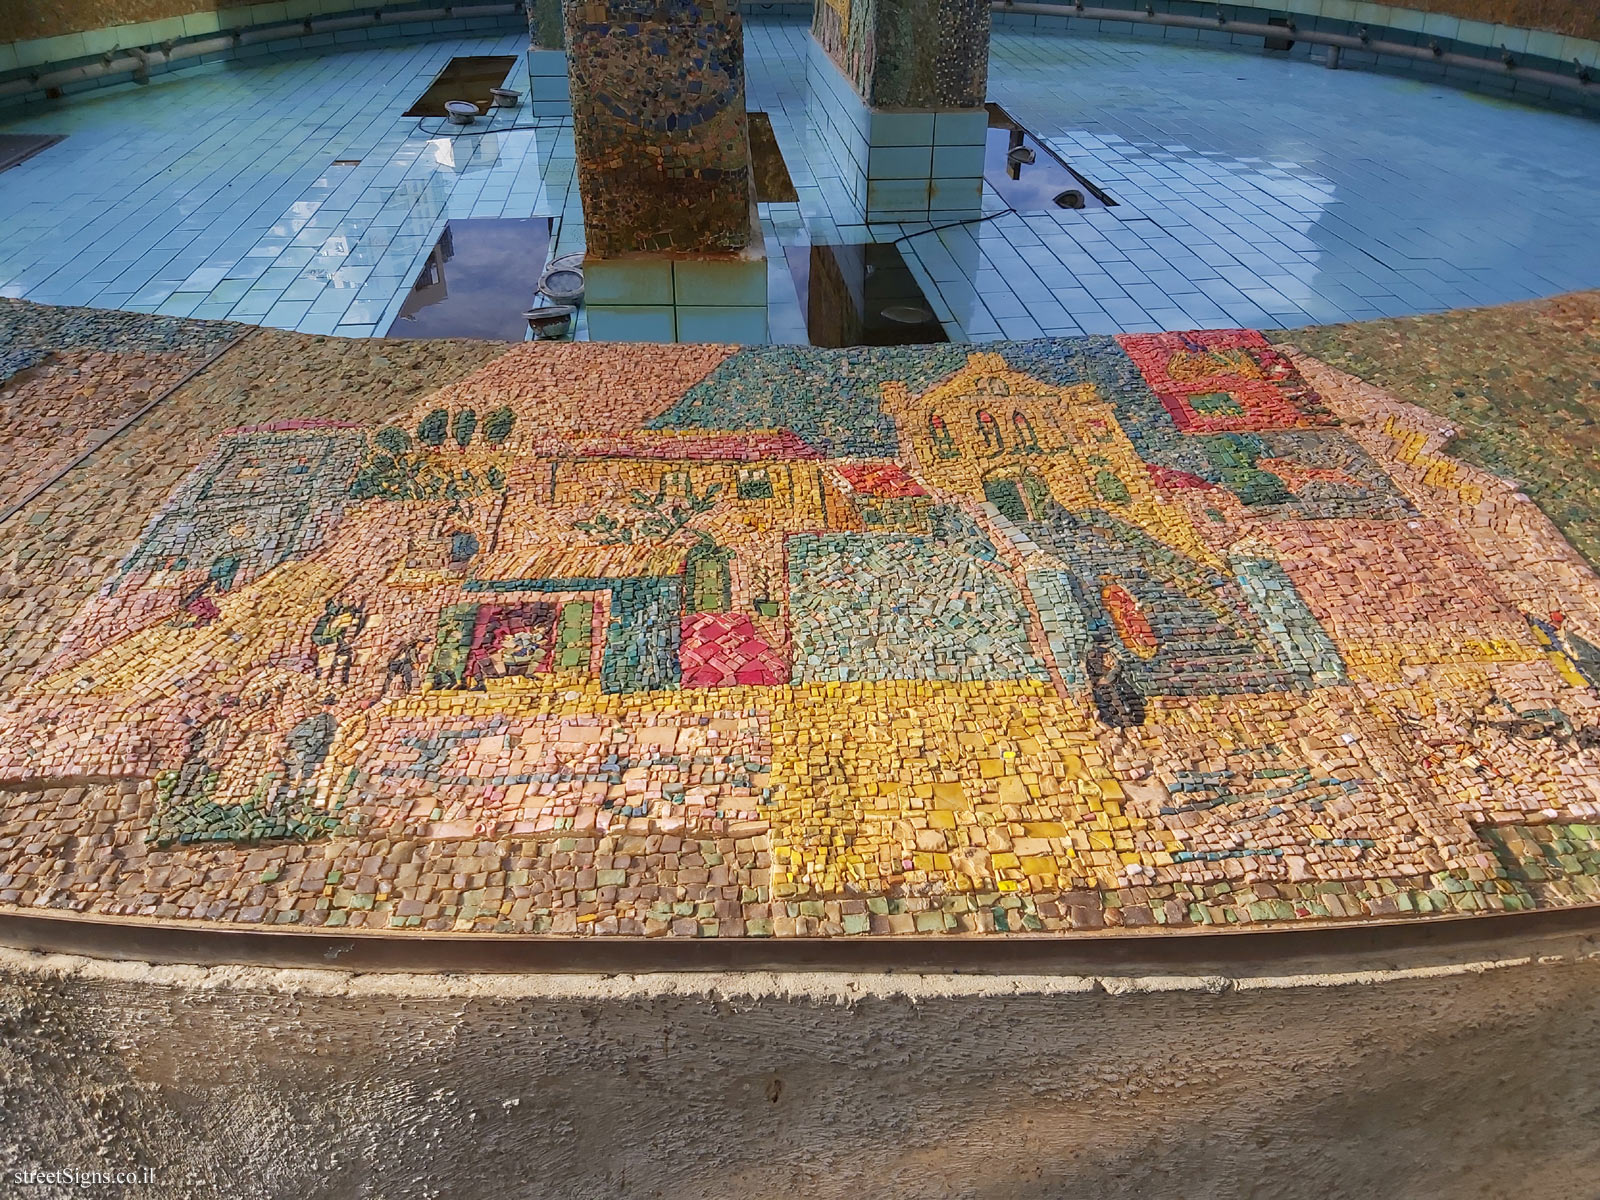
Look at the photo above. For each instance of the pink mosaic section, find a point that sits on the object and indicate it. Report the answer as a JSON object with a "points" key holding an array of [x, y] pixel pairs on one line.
{"points": [[476, 775], [724, 650]]}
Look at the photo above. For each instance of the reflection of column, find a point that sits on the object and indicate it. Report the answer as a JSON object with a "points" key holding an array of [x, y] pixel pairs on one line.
{"points": [[674, 246], [547, 60], [898, 86]]}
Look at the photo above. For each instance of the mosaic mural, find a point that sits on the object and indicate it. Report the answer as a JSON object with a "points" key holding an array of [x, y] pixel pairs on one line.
{"points": [[70, 386], [1166, 629]]}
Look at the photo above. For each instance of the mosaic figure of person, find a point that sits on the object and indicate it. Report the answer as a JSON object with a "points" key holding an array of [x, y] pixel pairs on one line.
{"points": [[335, 632], [197, 609], [403, 666], [201, 749], [1117, 701], [305, 748], [1575, 656]]}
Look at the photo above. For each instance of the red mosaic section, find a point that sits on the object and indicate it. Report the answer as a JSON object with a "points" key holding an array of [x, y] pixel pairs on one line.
{"points": [[885, 481], [1225, 381], [1170, 479], [724, 649]]}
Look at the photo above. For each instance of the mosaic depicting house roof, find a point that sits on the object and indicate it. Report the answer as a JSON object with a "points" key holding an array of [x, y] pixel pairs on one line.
{"points": [[700, 641]]}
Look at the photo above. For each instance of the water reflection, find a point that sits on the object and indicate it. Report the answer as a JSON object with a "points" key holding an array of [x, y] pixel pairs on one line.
{"points": [[1028, 175], [861, 295], [478, 280]]}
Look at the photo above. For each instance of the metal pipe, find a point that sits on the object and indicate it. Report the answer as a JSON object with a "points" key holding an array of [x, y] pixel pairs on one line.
{"points": [[139, 60], [1505, 65]]}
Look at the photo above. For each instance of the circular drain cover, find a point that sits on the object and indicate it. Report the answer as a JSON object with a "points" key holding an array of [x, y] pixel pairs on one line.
{"points": [[563, 285], [549, 324], [907, 314], [1071, 198], [460, 112]]}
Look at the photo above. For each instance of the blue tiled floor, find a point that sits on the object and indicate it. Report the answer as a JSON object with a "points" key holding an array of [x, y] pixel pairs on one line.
{"points": [[1254, 191], [213, 193]]}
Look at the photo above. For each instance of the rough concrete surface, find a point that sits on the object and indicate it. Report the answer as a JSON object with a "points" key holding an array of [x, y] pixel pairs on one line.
{"points": [[1468, 1081]]}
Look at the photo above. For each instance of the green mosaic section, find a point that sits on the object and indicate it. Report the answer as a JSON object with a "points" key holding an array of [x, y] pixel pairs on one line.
{"points": [[1534, 856]]}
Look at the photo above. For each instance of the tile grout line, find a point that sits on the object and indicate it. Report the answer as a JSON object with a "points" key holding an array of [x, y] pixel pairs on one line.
{"points": [[121, 428]]}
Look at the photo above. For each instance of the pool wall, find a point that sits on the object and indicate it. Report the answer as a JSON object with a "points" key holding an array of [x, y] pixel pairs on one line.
{"points": [[1531, 52], [38, 69], [45, 68]]}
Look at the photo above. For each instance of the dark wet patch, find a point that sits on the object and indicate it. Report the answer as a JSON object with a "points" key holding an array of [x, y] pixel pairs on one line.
{"points": [[862, 295], [771, 172], [15, 147], [478, 281], [1028, 175], [469, 79]]}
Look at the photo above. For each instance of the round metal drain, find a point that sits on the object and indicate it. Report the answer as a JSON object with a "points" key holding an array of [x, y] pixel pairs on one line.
{"points": [[907, 314], [563, 280], [552, 323], [1071, 198], [460, 112]]}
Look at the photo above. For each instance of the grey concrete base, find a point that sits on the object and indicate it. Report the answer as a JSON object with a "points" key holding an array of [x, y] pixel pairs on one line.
{"points": [[1470, 1079]]}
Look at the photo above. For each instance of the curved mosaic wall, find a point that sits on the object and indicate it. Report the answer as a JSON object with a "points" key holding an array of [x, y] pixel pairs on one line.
{"points": [[1176, 629]]}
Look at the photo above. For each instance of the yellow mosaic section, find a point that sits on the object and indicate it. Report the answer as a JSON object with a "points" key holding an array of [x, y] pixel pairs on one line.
{"points": [[926, 787], [942, 786], [989, 424], [1438, 471], [1384, 662]]}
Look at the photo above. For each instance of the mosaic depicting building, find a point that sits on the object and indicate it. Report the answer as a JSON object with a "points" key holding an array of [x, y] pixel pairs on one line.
{"points": [[994, 639]]}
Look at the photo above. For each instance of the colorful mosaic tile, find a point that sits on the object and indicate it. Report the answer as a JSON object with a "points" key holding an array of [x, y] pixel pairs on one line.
{"points": [[72, 376], [1175, 630]]}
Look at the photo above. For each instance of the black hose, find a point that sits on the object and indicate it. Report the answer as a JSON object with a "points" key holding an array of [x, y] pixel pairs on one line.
{"points": [[905, 237], [466, 131]]}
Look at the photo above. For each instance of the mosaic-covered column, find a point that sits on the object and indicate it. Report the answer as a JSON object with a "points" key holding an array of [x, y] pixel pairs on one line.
{"points": [[548, 90], [899, 87], [674, 245]]}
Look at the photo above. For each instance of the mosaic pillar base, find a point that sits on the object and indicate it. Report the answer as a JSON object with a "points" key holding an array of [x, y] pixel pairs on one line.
{"points": [[900, 164], [679, 298]]}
